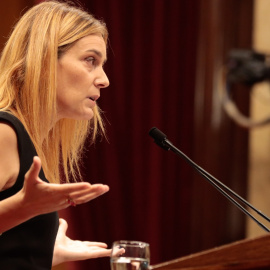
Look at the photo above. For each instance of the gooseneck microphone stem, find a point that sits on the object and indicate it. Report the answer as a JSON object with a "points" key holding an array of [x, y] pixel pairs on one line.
{"points": [[161, 140]]}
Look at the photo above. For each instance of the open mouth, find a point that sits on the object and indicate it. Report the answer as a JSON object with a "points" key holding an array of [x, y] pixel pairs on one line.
{"points": [[94, 98]]}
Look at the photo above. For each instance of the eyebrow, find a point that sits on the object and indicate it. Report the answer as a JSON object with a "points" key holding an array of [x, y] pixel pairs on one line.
{"points": [[98, 53]]}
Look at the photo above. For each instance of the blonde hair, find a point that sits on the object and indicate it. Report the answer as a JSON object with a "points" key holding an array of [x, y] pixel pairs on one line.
{"points": [[28, 83]]}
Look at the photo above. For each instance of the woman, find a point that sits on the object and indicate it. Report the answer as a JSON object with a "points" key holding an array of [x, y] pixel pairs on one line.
{"points": [[51, 73]]}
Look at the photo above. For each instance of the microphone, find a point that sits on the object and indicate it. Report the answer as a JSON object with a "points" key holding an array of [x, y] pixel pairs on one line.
{"points": [[161, 140]]}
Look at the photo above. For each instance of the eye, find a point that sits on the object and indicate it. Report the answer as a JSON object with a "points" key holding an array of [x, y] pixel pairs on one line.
{"points": [[91, 60]]}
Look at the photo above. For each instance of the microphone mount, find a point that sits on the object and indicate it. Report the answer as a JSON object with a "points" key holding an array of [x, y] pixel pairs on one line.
{"points": [[161, 140]]}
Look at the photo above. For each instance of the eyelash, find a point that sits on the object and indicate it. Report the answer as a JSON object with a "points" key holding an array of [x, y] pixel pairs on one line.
{"points": [[91, 59]]}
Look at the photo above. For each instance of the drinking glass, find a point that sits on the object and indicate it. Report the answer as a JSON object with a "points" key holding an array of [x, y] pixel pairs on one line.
{"points": [[130, 255]]}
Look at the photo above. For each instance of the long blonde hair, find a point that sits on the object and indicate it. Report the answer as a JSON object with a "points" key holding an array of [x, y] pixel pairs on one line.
{"points": [[28, 83]]}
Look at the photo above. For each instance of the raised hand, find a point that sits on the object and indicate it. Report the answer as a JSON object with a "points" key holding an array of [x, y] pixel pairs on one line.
{"points": [[42, 197], [38, 197]]}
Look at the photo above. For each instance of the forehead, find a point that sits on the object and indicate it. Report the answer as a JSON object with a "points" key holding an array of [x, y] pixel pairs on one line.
{"points": [[88, 43]]}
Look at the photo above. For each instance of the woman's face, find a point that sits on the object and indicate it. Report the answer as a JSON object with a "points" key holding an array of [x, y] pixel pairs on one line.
{"points": [[80, 76]]}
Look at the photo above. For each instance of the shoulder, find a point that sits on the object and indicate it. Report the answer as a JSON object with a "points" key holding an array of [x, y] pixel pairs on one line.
{"points": [[7, 134], [9, 156]]}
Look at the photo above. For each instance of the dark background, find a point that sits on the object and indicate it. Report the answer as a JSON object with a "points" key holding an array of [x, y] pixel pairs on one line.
{"points": [[164, 59]]}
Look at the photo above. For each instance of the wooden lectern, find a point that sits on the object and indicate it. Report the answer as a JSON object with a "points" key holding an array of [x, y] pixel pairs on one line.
{"points": [[244, 254]]}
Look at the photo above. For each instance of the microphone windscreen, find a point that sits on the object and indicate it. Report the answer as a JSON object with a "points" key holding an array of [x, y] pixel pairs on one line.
{"points": [[157, 135]]}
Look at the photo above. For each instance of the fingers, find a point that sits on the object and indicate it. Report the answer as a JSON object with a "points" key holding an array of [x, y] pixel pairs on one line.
{"points": [[58, 196], [89, 194], [78, 193], [118, 252], [97, 252], [96, 244], [70, 188], [103, 253], [84, 188]]}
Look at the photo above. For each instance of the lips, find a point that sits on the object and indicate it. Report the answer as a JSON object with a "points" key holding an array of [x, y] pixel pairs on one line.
{"points": [[94, 98]]}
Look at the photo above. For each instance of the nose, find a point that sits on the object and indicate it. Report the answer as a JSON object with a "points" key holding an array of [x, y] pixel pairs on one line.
{"points": [[102, 80]]}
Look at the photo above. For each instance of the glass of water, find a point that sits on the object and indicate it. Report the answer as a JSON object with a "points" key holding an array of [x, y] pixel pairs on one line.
{"points": [[130, 255]]}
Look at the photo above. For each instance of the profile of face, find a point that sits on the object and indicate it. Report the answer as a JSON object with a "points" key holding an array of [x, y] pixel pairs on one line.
{"points": [[80, 76]]}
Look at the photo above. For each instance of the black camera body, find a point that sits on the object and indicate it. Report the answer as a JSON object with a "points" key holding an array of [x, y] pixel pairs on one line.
{"points": [[247, 66]]}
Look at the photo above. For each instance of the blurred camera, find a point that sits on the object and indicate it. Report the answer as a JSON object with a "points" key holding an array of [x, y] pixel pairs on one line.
{"points": [[247, 66]]}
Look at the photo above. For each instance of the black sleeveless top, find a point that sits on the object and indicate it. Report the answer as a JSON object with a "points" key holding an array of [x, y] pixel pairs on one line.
{"points": [[28, 246]]}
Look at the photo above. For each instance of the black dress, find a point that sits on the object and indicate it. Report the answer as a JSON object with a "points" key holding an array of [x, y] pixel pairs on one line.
{"points": [[28, 246]]}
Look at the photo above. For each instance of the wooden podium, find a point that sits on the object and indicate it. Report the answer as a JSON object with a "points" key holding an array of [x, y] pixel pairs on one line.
{"points": [[244, 254]]}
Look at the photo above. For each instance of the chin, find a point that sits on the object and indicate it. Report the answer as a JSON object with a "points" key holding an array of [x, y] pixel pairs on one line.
{"points": [[83, 117], [87, 115]]}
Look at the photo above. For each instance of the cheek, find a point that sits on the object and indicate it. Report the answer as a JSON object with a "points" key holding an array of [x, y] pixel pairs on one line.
{"points": [[67, 83], [74, 79], [69, 78], [77, 79]]}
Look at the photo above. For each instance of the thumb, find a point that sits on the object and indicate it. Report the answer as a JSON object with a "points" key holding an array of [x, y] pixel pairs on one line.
{"points": [[34, 170], [62, 226]]}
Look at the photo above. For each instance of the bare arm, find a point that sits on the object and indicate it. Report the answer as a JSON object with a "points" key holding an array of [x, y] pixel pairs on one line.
{"points": [[11, 210], [36, 197]]}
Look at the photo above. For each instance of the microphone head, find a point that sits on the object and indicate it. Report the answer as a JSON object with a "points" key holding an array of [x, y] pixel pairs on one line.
{"points": [[159, 138], [156, 134]]}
